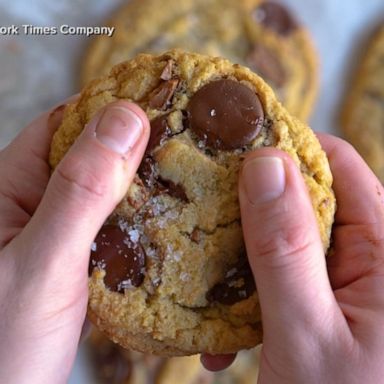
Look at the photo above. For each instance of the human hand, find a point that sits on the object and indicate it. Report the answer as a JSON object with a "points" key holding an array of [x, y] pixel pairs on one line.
{"points": [[319, 327], [46, 230]]}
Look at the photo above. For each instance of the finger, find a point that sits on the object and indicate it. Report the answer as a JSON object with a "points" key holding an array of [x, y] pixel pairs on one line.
{"points": [[283, 245], [217, 362], [37, 136], [86, 330], [360, 195], [26, 171], [359, 221], [86, 186]]}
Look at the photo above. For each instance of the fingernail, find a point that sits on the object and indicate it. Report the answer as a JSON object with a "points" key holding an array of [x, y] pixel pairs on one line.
{"points": [[119, 129], [264, 179]]}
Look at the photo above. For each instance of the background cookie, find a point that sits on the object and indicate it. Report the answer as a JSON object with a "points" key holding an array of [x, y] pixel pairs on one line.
{"points": [[259, 34], [363, 113], [116, 365], [188, 287]]}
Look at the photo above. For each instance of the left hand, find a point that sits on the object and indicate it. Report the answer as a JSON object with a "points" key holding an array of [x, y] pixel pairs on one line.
{"points": [[47, 226]]}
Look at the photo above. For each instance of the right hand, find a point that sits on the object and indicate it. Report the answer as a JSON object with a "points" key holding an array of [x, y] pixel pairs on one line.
{"points": [[323, 322]]}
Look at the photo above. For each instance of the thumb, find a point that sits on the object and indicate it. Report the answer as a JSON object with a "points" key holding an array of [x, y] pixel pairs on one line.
{"points": [[87, 185], [283, 244]]}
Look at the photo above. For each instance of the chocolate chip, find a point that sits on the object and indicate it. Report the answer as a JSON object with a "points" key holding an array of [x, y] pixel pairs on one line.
{"points": [[172, 189], [195, 235], [275, 17], [140, 197], [147, 171], [238, 285], [225, 114], [167, 71], [266, 64], [121, 255], [159, 132], [162, 95], [148, 174]]}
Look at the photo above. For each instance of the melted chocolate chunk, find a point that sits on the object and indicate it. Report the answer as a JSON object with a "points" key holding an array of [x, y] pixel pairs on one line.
{"points": [[265, 63], [159, 132], [238, 285], [147, 172], [275, 17], [122, 258], [158, 185], [162, 95], [195, 235], [225, 114], [172, 189], [167, 71]]}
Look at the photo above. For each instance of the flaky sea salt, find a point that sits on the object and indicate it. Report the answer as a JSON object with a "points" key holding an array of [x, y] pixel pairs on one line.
{"points": [[123, 225], [231, 272], [125, 284], [184, 276], [134, 235], [94, 247], [151, 252], [177, 256]]}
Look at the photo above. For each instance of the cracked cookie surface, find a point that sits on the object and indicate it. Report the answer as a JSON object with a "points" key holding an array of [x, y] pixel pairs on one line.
{"points": [[168, 270], [363, 113], [263, 35]]}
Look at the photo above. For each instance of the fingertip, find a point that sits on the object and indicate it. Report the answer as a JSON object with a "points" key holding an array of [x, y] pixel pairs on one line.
{"points": [[267, 152], [137, 110], [216, 363], [55, 114]]}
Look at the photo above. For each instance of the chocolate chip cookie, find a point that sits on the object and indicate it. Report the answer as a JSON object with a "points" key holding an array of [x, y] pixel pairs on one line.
{"points": [[363, 113], [115, 365], [262, 35], [168, 270]]}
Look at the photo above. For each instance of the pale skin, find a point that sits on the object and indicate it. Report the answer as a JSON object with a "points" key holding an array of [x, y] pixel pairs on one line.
{"points": [[322, 322]]}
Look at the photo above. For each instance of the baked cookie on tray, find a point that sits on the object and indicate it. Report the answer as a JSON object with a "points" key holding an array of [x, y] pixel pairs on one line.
{"points": [[363, 113], [168, 271], [113, 364], [262, 35]]}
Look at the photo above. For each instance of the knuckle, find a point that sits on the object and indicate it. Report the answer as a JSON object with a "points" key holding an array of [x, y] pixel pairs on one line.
{"points": [[284, 237], [78, 179], [367, 239], [285, 242]]}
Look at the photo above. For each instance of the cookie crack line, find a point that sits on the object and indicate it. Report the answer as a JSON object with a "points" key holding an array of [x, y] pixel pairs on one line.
{"points": [[315, 176], [200, 311], [213, 231]]}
